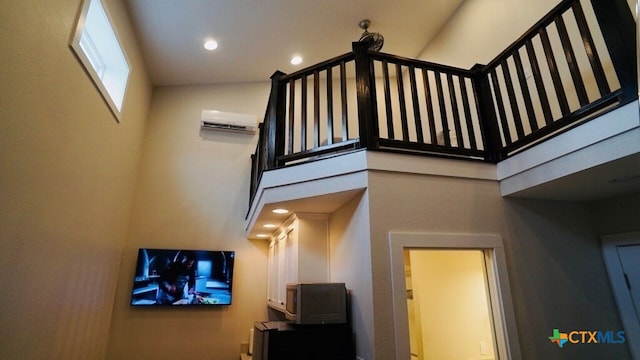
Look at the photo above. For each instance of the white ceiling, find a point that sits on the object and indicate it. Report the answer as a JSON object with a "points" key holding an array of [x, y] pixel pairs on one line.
{"points": [[258, 37]]}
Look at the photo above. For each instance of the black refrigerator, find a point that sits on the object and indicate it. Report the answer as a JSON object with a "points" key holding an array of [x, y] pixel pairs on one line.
{"points": [[282, 340]]}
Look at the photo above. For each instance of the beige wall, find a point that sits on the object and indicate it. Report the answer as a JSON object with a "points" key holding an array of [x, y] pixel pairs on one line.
{"points": [[193, 193], [67, 176], [617, 215], [421, 203], [558, 278], [68, 234], [475, 34], [350, 254], [556, 271]]}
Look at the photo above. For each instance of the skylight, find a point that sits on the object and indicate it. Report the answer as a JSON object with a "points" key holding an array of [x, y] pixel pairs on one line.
{"points": [[96, 45]]}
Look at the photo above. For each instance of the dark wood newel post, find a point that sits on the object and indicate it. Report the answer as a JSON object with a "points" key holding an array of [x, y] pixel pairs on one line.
{"points": [[488, 119], [275, 121], [365, 90], [619, 32]]}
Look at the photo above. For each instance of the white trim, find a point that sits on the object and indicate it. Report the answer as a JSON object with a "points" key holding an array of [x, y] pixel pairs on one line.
{"points": [[598, 130], [607, 138], [622, 295], [105, 79], [350, 172], [508, 346], [383, 161]]}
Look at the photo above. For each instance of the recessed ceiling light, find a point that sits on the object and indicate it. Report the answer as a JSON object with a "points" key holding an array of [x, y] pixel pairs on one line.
{"points": [[269, 226], [280, 211], [296, 60], [210, 44], [262, 235]]}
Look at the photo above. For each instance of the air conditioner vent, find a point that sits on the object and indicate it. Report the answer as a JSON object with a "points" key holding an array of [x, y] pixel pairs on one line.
{"points": [[226, 121]]}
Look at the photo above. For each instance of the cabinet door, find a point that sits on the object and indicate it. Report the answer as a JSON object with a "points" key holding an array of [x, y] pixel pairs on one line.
{"points": [[297, 253], [291, 257], [280, 250], [272, 284]]}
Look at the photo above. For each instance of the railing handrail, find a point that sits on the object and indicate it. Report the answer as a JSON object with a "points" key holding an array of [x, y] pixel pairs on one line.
{"points": [[481, 84], [375, 55], [322, 65]]}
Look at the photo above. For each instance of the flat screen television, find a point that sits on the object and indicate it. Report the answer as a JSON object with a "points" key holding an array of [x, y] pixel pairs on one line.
{"points": [[182, 277]]}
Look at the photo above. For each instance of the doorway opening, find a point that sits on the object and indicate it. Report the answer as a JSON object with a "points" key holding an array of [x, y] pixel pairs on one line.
{"points": [[448, 305], [451, 297]]}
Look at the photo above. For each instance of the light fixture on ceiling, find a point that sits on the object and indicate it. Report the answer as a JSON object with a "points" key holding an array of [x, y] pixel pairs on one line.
{"points": [[296, 60], [210, 44], [375, 40], [280, 211], [269, 226]]}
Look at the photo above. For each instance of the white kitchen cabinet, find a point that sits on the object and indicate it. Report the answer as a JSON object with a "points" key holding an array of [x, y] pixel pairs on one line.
{"points": [[298, 252]]}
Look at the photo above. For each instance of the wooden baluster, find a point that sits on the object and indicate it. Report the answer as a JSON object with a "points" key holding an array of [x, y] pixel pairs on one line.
{"points": [[329, 106], [403, 105], [443, 110], [454, 109], [387, 99], [513, 103], [343, 101], [303, 114], [526, 95], [427, 95], [570, 55], [416, 104], [292, 98], [316, 109], [590, 49], [497, 93], [555, 74], [537, 76], [467, 113]]}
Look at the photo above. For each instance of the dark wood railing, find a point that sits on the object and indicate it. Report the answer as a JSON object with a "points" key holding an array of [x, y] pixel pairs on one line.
{"points": [[554, 76], [422, 107], [576, 62]]}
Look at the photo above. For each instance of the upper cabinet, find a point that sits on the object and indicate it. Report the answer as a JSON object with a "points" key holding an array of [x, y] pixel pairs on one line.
{"points": [[298, 252]]}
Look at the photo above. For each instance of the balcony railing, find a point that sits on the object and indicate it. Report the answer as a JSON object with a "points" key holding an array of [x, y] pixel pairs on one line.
{"points": [[575, 63]]}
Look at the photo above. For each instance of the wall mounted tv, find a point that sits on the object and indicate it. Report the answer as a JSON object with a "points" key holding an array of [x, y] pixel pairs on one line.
{"points": [[182, 277]]}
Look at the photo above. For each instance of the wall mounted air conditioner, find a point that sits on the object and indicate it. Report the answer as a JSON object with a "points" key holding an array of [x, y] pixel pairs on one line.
{"points": [[226, 121]]}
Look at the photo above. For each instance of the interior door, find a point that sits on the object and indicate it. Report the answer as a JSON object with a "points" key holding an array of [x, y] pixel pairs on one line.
{"points": [[630, 262], [622, 258]]}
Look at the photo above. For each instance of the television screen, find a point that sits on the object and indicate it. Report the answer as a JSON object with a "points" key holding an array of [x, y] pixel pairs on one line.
{"points": [[182, 277]]}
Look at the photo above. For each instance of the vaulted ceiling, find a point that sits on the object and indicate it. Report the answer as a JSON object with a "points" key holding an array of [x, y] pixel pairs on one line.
{"points": [[258, 37]]}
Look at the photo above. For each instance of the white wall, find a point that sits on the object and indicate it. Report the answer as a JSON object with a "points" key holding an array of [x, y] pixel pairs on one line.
{"points": [[67, 179], [193, 193]]}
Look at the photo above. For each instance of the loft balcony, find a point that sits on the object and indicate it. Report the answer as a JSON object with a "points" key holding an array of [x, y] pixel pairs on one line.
{"points": [[565, 90]]}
